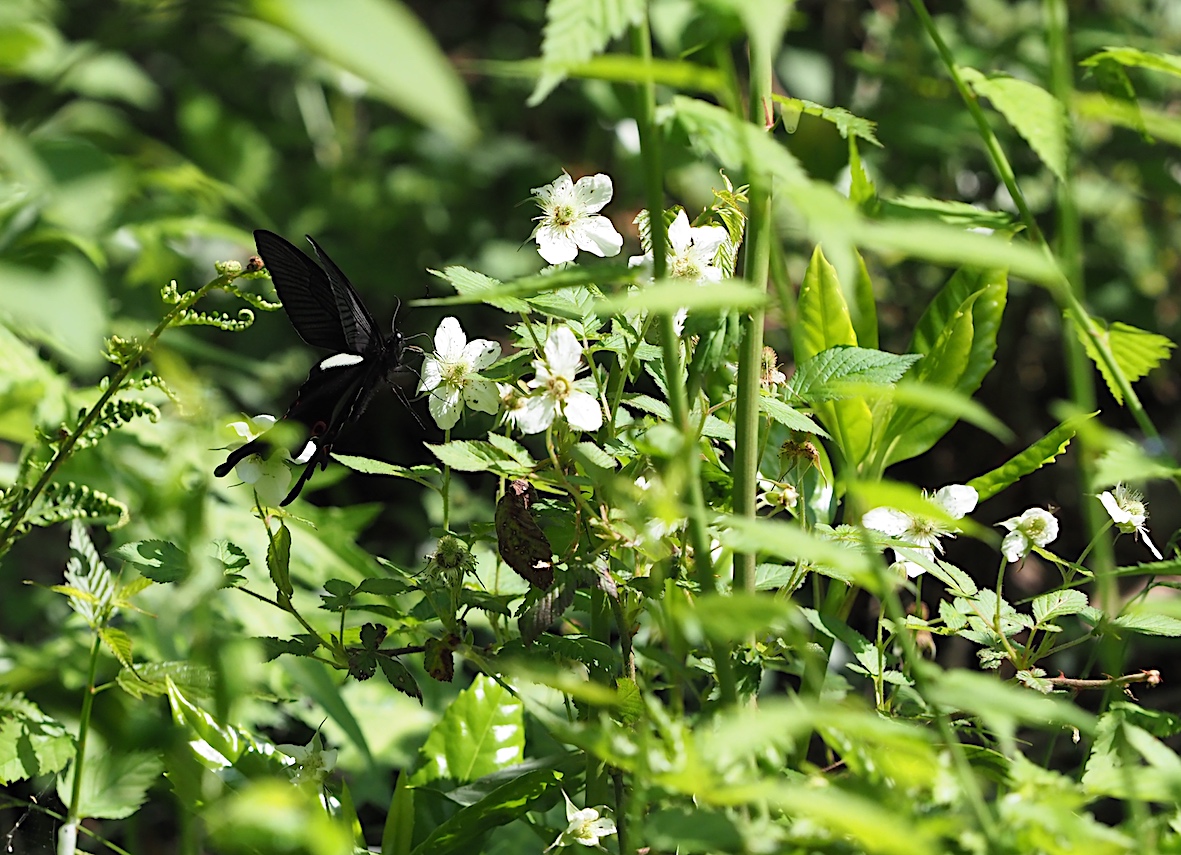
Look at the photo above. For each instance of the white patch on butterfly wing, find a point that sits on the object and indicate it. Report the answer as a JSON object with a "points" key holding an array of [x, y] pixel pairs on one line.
{"points": [[308, 451], [341, 360]]}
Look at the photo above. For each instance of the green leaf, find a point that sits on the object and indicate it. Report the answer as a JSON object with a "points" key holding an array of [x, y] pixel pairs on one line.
{"points": [[958, 214], [476, 287], [460, 834], [576, 30], [215, 745], [482, 731], [864, 311], [587, 453], [789, 541], [118, 642], [739, 614], [1166, 63], [846, 123], [1032, 111], [114, 784], [957, 333], [1127, 762], [788, 416], [1044, 451], [31, 743], [477, 456], [1058, 603], [400, 677], [668, 296], [384, 44], [823, 323], [699, 830], [427, 476], [1136, 352], [158, 560], [820, 378], [1148, 623], [864, 651], [279, 561], [151, 679]]}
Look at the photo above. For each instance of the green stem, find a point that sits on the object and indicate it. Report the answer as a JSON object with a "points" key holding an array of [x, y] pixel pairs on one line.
{"points": [[1060, 289], [113, 387], [68, 839], [446, 486], [757, 264]]}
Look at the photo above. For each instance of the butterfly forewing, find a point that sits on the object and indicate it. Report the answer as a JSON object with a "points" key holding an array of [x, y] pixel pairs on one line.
{"points": [[359, 326], [307, 295]]}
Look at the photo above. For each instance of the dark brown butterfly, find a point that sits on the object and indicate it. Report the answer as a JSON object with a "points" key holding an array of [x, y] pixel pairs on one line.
{"points": [[326, 311]]}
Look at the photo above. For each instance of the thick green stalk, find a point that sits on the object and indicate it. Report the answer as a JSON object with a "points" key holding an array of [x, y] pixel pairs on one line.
{"points": [[757, 265]]}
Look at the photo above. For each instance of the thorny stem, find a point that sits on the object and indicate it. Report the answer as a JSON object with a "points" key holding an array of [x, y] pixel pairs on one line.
{"points": [[1150, 677]]}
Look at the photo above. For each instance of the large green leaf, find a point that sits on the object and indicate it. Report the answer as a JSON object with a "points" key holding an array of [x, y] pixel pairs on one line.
{"points": [[114, 783], [384, 44], [957, 333], [482, 731], [1035, 114], [828, 374], [823, 322], [1136, 352]]}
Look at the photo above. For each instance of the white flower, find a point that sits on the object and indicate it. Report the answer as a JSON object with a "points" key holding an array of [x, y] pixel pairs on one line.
{"points": [[923, 533], [571, 219], [310, 764], [451, 374], [584, 826], [777, 494], [560, 392], [691, 251], [1035, 527], [1129, 512], [269, 476]]}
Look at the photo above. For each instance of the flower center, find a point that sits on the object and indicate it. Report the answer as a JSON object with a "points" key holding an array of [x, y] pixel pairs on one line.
{"points": [[559, 387], [453, 373], [685, 266], [563, 215]]}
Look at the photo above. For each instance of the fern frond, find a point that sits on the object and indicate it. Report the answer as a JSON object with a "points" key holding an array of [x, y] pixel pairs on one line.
{"points": [[61, 502], [121, 351], [256, 300], [115, 414], [193, 318]]}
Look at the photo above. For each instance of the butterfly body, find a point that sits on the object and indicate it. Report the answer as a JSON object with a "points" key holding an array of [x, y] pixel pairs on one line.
{"points": [[327, 313]]}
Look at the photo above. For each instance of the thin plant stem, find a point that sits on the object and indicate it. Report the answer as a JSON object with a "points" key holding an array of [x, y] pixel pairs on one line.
{"points": [[446, 486], [67, 839]]}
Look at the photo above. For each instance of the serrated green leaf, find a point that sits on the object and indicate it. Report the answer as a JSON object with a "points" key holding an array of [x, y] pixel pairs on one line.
{"points": [[158, 560], [846, 123], [1148, 623], [820, 377], [1032, 111], [151, 679], [424, 475], [477, 456], [482, 731], [823, 323], [1136, 352], [513, 449], [1044, 451], [785, 540], [575, 31], [669, 296], [31, 743], [959, 214], [118, 642], [477, 287], [789, 416], [588, 452], [384, 44], [1058, 603], [400, 677], [1133, 58], [114, 784]]}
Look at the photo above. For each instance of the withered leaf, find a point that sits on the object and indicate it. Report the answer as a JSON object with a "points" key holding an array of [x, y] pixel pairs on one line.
{"points": [[519, 539]]}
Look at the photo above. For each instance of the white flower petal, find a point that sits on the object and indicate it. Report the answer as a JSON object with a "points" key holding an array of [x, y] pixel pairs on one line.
{"points": [[481, 395], [598, 236], [957, 499], [554, 245], [583, 412], [432, 374], [563, 184], [886, 520], [536, 414], [249, 469], [445, 406], [707, 240], [1118, 515], [680, 235], [450, 338], [480, 353], [592, 192], [563, 353], [1015, 546]]}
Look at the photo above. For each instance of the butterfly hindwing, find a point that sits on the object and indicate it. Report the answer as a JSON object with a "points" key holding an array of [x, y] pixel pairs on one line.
{"points": [[307, 295]]}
